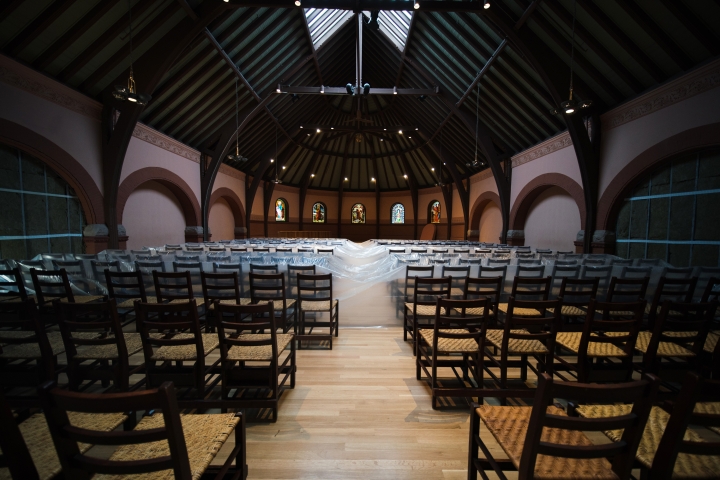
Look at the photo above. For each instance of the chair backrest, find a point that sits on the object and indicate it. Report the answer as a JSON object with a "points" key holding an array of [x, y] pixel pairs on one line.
{"points": [[685, 411], [85, 256], [490, 288], [627, 289], [498, 261], [493, 271], [686, 324], [268, 287], [412, 271], [530, 271], [220, 286], [260, 249], [262, 268], [593, 261], [125, 285], [455, 272], [453, 319], [171, 286], [146, 268], [561, 272], [712, 290], [238, 249], [187, 258], [565, 262], [216, 248], [611, 323], [439, 250], [83, 318], [396, 250], [331, 251], [67, 437], [219, 258], [627, 262], [99, 267], [428, 290], [148, 258], [23, 315], [314, 287], [195, 268], [545, 251], [483, 250], [51, 285], [571, 255], [233, 322], [169, 319], [641, 393], [531, 288], [674, 289], [282, 249], [12, 285], [578, 292], [173, 247], [194, 248], [461, 250], [74, 268], [684, 272], [601, 272], [14, 454], [635, 272], [523, 260]]}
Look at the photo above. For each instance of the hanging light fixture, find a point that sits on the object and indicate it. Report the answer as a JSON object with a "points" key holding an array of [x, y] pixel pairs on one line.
{"points": [[417, 5], [277, 179], [129, 93], [486, 5], [476, 162], [570, 106], [236, 157]]}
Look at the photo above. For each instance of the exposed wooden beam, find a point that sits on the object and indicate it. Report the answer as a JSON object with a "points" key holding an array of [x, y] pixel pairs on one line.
{"points": [[358, 6], [526, 14], [695, 26], [9, 7], [482, 72], [28, 34], [187, 9]]}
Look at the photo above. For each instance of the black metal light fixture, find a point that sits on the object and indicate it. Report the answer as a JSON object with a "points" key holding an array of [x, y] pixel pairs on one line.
{"points": [[294, 98], [422, 98], [570, 106], [373, 23], [366, 89], [417, 5], [236, 157], [277, 179], [350, 89], [487, 4], [129, 93]]}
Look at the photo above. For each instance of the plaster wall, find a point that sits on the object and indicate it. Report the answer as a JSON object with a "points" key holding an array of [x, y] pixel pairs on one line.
{"points": [[221, 221], [490, 224], [562, 161], [153, 217], [553, 221]]}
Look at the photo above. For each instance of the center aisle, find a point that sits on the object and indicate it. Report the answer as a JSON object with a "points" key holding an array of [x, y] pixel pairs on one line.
{"points": [[357, 411]]}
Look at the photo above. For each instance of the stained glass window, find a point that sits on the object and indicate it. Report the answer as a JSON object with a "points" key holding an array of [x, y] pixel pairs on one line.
{"points": [[434, 211], [281, 210], [318, 213], [397, 213], [357, 213]]}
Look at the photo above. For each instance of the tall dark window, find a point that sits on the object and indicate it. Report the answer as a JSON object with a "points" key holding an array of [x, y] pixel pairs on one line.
{"points": [[672, 214], [39, 212]]}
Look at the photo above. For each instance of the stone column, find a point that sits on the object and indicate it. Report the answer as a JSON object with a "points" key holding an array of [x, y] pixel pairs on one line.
{"points": [[194, 234], [96, 237], [516, 238], [473, 235], [240, 233], [603, 241]]}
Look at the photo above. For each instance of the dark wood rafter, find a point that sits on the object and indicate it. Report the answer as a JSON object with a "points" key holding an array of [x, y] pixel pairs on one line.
{"points": [[481, 73], [551, 69], [526, 14], [697, 28], [150, 68], [37, 26], [9, 7]]}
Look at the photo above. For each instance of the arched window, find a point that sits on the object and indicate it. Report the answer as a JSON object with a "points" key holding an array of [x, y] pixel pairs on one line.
{"points": [[281, 210], [41, 212], [357, 213], [434, 212], [397, 213], [319, 212], [670, 214]]}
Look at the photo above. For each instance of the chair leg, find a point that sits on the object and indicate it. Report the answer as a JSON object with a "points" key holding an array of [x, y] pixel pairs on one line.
{"points": [[473, 448]]}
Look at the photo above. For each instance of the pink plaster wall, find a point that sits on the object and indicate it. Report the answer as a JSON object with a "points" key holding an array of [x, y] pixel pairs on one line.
{"points": [[221, 221], [490, 225], [153, 217], [553, 221], [562, 161]]}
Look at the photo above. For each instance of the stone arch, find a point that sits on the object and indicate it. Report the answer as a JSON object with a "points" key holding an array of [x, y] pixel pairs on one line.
{"points": [[480, 204], [234, 202], [691, 140], [61, 162], [535, 187], [181, 190]]}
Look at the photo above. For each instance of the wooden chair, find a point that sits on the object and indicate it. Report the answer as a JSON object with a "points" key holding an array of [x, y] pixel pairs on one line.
{"points": [[174, 287], [560, 272], [95, 345], [221, 288], [525, 335], [231, 267], [186, 444], [252, 360], [315, 296], [54, 285], [527, 288], [12, 286], [126, 288], [668, 448], [543, 442], [146, 269], [458, 274], [170, 334], [604, 349], [601, 272], [577, 295], [421, 309], [678, 290], [493, 271], [457, 340], [271, 288], [627, 289]]}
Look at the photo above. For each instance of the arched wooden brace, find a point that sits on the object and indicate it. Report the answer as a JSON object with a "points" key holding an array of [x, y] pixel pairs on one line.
{"points": [[552, 70], [149, 71]]}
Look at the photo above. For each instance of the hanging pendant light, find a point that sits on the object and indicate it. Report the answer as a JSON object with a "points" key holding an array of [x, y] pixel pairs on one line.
{"points": [[476, 162], [129, 93], [570, 106], [277, 179], [236, 157]]}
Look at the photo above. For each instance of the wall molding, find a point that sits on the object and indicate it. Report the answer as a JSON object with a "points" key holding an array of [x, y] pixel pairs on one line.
{"points": [[153, 137], [479, 177], [686, 86], [25, 78], [231, 172], [551, 145]]}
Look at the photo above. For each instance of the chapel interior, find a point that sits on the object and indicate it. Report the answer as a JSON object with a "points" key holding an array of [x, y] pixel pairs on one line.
{"points": [[359, 239]]}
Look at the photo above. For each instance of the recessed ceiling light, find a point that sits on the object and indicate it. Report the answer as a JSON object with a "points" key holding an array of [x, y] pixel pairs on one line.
{"points": [[372, 179], [400, 132], [283, 167], [312, 175], [318, 130], [405, 175], [272, 160], [346, 179]]}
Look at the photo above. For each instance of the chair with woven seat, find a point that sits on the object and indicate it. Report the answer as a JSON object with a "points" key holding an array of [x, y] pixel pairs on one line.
{"points": [[678, 290], [95, 345], [560, 272], [458, 274], [263, 268], [543, 442], [170, 336], [98, 268], [12, 286], [481, 288], [271, 288], [28, 354], [292, 271], [668, 448], [577, 295], [176, 287], [315, 296], [529, 289], [146, 269], [524, 335], [457, 340], [420, 309], [604, 349], [54, 285], [221, 288], [251, 360], [126, 288], [601, 272], [162, 445]]}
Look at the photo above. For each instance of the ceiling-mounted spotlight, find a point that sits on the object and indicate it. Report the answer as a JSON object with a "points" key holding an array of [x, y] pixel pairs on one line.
{"points": [[382, 140], [283, 167], [312, 175], [318, 130], [322, 88], [129, 93], [346, 179], [278, 89], [372, 179], [405, 175], [433, 169], [570, 106], [272, 160], [350, 89], [394, 90], [373, 22], [417, 5], [422, 98], [486, 6], [417, 128], [400, 132], [298, 3], [294, 97], [366, 89]]}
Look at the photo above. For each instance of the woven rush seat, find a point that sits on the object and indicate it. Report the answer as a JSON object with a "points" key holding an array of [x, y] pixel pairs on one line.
{"points": [[457, 292], [509, 426], [520, 312], [130, 302], [516, 346], [37, 437], [711, 342], [474, 311], [31, 350], [686, 466], [133, 343], [261, 352], [81, 299], [232, 301], [186, 352], [617, 313], [571, 341], [712, 408], [204, 436], [199, 301], [323, 305], [17, 299], [450, 345], [665, 349], [570, 311]]}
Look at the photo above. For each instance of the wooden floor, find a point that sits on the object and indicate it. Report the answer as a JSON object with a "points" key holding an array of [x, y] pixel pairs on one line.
{"points": [[357, 411]]}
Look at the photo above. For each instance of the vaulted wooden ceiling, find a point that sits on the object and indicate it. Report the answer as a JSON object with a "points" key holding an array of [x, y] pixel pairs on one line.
{"points": [[622, 48]]}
